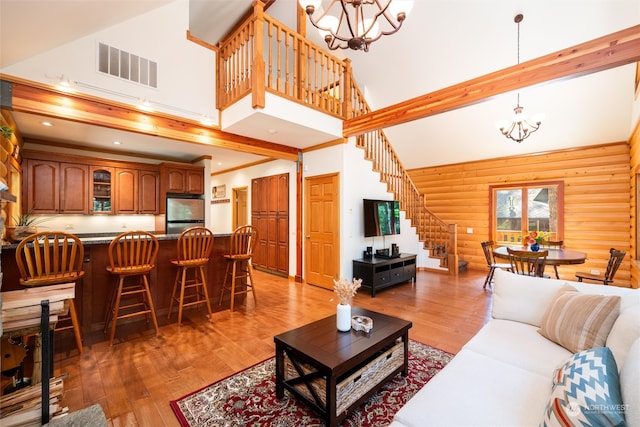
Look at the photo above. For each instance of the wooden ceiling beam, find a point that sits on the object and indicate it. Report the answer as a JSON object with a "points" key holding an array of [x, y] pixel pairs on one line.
{"points": [[36, 99], [613, 50]]}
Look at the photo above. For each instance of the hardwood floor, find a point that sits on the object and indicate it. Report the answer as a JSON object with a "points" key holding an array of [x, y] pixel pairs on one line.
{"points": [[136, 378]]}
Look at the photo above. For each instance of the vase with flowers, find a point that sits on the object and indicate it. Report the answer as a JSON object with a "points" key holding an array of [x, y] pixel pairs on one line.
{"points": [[345, 290], [535, 238]]}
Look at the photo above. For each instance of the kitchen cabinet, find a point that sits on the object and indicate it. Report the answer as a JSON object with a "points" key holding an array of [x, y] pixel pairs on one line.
{"points": [[86, 185], [270, 215], [101, 187], [136, 191], [148, 192], [56, 187], [184, 179], [179, 179]]}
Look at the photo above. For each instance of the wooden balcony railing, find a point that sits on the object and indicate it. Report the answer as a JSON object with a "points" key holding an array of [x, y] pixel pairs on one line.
{"points": [[262, 55]]}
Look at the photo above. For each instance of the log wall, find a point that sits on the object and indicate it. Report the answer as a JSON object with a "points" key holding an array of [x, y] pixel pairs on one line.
{"points": [[596, 202]]}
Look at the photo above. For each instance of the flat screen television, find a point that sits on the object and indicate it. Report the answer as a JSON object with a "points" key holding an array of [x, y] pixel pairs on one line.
{"points": [[381, 217]]}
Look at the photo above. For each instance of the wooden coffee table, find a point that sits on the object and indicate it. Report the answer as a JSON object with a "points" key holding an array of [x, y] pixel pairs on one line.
{"points": [[335, 372]]}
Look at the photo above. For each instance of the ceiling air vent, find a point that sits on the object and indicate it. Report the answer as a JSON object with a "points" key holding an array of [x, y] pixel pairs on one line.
{"points": [[128, 66]]}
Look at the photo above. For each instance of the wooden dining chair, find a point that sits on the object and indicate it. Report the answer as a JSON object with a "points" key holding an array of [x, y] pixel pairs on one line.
{"points": [[132, 256], [615, 259], [528, 263], [487, 248], [53, 258], [551, 244]]}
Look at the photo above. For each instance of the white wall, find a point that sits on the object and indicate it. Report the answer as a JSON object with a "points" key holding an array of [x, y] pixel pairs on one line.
{"points": [[186, 70]]}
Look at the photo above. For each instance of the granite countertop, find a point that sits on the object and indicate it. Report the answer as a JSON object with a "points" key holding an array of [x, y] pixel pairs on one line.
{"points": [[106, 238]]}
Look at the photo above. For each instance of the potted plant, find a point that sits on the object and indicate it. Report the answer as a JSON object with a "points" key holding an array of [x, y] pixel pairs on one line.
{"points": [[6, 131], [23, 226]]}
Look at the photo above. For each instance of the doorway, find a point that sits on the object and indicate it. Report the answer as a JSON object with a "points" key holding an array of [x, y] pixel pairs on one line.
{"points": [[322, 230], [239, 209]]}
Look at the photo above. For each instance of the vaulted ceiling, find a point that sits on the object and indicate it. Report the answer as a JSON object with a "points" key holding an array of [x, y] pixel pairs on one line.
{"points": [[442, 43]]}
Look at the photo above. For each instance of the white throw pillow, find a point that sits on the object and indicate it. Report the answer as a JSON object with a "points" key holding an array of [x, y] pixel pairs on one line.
{"points": [[522, 298], [625, 331]]}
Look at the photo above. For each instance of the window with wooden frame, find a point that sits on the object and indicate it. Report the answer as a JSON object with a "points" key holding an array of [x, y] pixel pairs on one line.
{"points": [[518, 209]]}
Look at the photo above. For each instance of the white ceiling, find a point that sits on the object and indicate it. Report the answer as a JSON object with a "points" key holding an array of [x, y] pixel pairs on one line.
{"points": [[442, 43]]}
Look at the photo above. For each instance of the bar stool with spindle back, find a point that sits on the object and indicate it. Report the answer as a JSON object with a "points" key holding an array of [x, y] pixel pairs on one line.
{"points": [[194, 247], [238, 259], [132, 255], [53, 258]]}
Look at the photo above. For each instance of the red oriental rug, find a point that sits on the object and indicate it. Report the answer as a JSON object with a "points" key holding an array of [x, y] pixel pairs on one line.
{"points": [[247, 398]]}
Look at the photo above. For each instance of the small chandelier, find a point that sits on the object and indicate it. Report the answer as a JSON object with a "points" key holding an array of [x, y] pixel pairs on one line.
{"points": [[519, 128], [355, 24]]}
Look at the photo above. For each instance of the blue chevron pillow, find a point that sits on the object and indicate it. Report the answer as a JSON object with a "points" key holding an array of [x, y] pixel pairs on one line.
{"points": [[586, 392]]}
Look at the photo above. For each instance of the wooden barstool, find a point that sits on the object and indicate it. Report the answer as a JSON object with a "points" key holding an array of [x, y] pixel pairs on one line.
{"points": [[194, 247], [132, 255], [53, 258], [241, 245]]}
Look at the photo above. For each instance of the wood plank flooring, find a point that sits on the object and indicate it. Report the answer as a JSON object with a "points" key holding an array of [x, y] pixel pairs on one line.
{"points": [[135, 379]]}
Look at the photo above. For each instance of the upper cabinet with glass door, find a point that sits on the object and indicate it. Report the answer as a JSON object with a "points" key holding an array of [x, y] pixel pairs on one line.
{"points": [[101, 186]]}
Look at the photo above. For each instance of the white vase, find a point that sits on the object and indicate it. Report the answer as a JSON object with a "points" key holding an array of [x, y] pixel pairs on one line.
{"points": [[343, 317]]}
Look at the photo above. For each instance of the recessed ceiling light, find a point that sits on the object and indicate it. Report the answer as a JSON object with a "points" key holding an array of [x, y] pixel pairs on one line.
{"points": [[272, 131], [46, 124], [116, 143]]}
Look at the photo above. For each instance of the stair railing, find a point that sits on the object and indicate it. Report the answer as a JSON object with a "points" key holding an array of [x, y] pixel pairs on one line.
{"points": [[262, 55]]}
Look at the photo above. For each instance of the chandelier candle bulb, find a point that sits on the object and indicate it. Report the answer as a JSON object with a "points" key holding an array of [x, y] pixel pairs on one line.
{"points": [[355, 24]]}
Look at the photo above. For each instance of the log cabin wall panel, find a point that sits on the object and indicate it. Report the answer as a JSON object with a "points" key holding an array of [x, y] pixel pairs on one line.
{"points": [[596, 200]]}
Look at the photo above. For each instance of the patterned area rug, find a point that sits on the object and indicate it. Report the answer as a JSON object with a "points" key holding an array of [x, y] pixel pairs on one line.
{"points": [[248, 397]]}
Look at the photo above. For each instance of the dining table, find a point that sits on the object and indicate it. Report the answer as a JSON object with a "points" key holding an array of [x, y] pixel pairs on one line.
{"points": [[555, 256]]}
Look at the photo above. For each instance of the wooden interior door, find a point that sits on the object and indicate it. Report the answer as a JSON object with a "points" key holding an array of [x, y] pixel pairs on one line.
{"points": [[240, 214], [322, 230], [270, 215]]}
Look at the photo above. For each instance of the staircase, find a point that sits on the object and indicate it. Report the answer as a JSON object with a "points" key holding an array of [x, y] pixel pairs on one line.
{"points": [[261, 55], [438, 237]]}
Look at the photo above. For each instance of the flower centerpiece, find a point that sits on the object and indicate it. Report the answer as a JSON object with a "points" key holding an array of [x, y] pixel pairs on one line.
{"points": [[345, 290], [534, 238]]}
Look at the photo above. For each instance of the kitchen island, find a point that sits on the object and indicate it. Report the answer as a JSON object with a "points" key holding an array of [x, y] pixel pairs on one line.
{"points": [[94, 290]]}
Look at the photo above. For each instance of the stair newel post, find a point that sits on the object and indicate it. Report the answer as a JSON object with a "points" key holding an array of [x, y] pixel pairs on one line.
{"points": [[346, 91], [452, 253], [258, 74]]}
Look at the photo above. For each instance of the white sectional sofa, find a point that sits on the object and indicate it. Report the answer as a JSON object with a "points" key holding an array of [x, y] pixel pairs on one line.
{"points": [[505, 375]]}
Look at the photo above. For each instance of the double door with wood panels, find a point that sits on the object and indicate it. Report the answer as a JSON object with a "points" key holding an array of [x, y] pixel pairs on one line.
{"points": [[270, 215]]}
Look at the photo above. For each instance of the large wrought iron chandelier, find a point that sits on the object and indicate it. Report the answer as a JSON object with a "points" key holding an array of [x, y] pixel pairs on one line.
{"points": [[355, 24], [519, 128]]}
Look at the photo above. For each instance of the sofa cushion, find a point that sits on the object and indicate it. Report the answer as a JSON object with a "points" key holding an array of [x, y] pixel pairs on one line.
{"points": [[522, 298], [630, 385], [579, 321], [625, 331], [518, 344], [525, 298], [586, 391], [477, 390]]}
